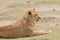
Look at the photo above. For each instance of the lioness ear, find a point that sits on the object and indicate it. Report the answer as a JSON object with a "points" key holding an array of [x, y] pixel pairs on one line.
{"points": [[29, 13]]}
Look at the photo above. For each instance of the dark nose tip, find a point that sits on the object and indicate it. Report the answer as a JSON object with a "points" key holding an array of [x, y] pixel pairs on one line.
{"points": [[39, 17]]}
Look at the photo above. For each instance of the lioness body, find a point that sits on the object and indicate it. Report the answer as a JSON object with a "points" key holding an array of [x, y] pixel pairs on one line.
{"points": [[22, 28]]}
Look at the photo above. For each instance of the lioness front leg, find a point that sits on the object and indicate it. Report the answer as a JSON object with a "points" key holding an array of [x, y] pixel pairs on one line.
{"points": [[41, 32]]}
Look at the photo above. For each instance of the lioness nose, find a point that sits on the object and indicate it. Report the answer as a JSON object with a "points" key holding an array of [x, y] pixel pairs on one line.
{"points": [[39, 17]]}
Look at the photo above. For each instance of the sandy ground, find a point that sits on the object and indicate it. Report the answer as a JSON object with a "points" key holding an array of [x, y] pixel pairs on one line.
{"points": [[48, 7], [3, 23]]}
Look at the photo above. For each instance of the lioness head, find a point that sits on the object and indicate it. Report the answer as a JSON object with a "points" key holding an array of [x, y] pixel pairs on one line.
{"points": [[32, 14]]}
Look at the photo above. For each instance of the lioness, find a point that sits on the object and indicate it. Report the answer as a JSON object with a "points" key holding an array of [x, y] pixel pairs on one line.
{"points": [[23, 27]]}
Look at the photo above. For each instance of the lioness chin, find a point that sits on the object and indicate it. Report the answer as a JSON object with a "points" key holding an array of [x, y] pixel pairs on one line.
{"points": [[23, 27]]}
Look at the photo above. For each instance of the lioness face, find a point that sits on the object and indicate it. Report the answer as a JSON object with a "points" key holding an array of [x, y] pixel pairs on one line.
{"points": [[34, 15]]}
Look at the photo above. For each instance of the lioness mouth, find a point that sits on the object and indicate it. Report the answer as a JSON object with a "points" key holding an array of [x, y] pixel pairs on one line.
{"points": [[37, 20]]}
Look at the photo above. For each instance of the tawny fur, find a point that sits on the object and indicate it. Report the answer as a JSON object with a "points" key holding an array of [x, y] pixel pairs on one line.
{"points": [[23, 27]]}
